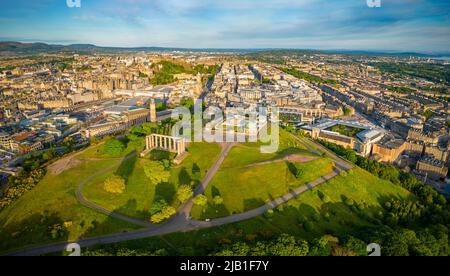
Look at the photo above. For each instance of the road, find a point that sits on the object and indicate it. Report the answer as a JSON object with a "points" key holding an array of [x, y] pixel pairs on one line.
{"points": [[181, 222]]}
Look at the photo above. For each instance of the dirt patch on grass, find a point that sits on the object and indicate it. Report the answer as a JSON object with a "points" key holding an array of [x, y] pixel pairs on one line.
{"points": [[63, 165], [299, 158]]}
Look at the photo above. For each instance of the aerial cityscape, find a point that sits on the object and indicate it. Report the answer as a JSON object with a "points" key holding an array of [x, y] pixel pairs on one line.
{"points": [[132, 131]]}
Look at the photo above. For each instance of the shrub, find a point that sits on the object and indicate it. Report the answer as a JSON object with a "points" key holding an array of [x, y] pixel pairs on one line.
{"points": [[268, 213], [114, 147], [325, 198], [315, 216], [165, 213], [349, 202], [158, 206], [156, 172], [114, 185], [184, 192], [217, 200], [200, 200], [308, 226]]}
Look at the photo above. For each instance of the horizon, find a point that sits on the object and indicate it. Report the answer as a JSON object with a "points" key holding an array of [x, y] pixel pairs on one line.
{"points": [[404, 26], [331, 50]]}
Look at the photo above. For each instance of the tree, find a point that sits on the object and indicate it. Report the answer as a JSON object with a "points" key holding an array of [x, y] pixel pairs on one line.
{"points": [[114, 147], [165, 213], [187, 102], [149, 128], [299, 173], [217, 200], [320, 247], [287, 245], [236, 249], [166, 163], [48, 155], [355, 245], [156, 172], [184, 192], [200, 200], [158, 206], [161, 106], [114, 184]]}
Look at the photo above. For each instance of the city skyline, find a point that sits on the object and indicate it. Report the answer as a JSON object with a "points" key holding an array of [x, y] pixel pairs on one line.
{"points": [[406, 25]]}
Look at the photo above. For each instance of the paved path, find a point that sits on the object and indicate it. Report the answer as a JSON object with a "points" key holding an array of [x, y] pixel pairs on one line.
{"points": [[182, 222], [185, 209]]}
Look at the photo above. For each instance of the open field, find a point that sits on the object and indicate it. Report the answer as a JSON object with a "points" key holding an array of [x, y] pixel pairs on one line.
{"points": [[51, 212], [248, 178], [140, 193], [344, 202], [250, 153], [98, 151], [305, 217]]}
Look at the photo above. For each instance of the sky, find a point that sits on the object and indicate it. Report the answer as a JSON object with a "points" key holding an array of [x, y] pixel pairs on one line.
{"points": [[398, 25]]}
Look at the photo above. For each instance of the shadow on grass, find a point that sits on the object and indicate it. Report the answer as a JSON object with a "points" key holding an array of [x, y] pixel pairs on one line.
{"points": [[130, 209], [125, 169], [184, 177], [159, 155], [37, 228], [291, 150], [166, 191]]}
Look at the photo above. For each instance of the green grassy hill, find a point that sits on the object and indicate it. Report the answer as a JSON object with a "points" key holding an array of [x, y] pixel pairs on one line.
{"points": [[341, 206]]}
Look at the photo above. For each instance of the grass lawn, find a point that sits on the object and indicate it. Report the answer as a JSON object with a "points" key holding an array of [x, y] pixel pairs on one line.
{"points": [[326, 208], [246, 188], [137, 197], [365, 189], [51, 212], [140, 193], [97, 151], [250, 153]]}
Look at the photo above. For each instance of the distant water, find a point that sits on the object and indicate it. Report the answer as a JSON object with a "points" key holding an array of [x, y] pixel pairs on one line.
{"points": [[443, 58]]}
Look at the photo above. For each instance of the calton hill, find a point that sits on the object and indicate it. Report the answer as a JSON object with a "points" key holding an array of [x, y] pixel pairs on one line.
{"points": [[308, 198]]}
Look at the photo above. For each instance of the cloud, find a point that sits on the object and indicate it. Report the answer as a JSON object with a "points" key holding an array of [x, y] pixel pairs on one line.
{"points": [[406, 24]]}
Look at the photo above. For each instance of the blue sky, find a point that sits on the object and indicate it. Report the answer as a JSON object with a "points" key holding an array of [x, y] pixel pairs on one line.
{"points": [[412, 25]]}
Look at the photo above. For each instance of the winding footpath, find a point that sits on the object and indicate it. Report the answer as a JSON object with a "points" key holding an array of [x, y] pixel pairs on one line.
{"points": [[182, 221]]}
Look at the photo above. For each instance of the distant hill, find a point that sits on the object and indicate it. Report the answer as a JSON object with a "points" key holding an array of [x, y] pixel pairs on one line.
{"points": [[14, 48], [18, 48]]}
